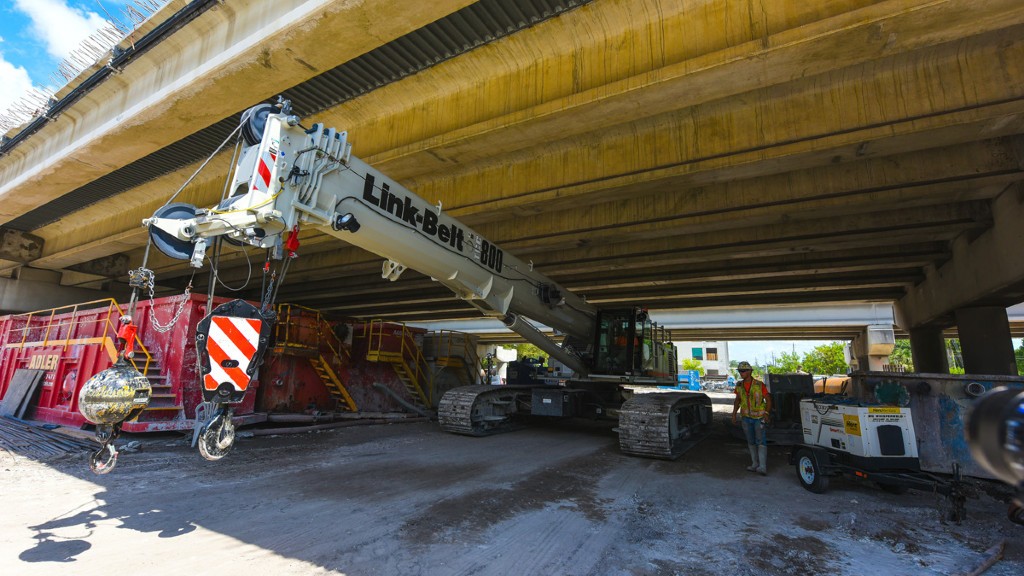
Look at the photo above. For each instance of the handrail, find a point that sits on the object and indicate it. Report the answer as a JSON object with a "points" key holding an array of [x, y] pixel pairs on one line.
{"points": [[446, 340], [415, 353], [408, 352], [313, 322], [48, 326], [324, 335]]}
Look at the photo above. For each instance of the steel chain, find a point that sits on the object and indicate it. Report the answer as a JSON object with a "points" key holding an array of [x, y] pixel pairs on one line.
{"points": [[265, 305], [147, 278]]}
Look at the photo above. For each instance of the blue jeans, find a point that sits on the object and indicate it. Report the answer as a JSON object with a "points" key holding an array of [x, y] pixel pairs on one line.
{"points": [[754, 430]]}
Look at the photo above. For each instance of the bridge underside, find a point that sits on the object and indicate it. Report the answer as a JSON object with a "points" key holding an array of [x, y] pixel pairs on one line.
{"points": [[656, 152]]}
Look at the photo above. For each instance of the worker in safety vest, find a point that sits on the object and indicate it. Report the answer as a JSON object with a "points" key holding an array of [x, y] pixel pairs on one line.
{"points": [[619, 351], [755, 404]]}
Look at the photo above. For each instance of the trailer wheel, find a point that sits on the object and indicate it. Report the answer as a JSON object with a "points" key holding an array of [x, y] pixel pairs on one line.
{"points": [[809, 472]]}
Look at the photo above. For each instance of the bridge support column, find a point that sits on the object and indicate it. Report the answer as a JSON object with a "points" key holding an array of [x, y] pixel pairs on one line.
{"points": [[40, 289], [872, 347], [985, 340], [928, 348]]}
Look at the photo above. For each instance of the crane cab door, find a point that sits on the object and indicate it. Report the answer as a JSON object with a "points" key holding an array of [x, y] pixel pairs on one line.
{"points": [[620, 341]]}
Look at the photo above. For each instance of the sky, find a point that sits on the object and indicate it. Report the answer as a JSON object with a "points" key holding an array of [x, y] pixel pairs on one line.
{"points": [[35, 35]]}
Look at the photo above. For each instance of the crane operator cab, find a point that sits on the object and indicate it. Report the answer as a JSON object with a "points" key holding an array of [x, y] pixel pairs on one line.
{"points": [[628, 343]]}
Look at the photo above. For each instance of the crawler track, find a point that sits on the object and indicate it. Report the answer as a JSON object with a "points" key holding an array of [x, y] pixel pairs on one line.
{"points": [[481, 410], [655, 425], [663, 425]]}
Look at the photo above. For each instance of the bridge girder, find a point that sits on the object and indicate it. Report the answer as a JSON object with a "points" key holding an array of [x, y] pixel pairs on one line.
{"points": [[632, 149]]}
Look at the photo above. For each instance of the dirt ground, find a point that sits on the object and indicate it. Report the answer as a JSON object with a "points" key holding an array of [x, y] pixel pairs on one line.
{"points": [[407, 499]]}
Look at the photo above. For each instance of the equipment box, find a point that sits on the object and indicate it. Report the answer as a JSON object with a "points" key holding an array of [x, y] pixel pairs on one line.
{"points": [[867, 431], [555, 402]]}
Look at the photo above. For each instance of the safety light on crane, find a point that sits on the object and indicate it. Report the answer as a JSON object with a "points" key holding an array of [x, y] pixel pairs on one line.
{"points": [[346, 222]]}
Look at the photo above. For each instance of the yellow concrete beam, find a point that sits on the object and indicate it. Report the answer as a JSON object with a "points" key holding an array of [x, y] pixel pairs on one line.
{"points": [[964, 172], [87, 233], [799, 199], [907, 104], [876, 230], [227, 59], [579, 52], [986, 268], [331, 282], [906, 101], [634, 274], [620, 60], [866, 230]]}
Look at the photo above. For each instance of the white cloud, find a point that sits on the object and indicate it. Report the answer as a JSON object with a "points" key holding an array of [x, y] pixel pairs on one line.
{"points": [[60, 28], [14, 83]]}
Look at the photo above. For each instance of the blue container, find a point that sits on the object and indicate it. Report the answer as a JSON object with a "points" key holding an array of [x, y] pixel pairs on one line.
{"points": [[694, 380]]}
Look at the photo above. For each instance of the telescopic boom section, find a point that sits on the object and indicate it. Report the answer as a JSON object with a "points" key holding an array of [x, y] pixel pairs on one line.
{"points": [[293, 177]]}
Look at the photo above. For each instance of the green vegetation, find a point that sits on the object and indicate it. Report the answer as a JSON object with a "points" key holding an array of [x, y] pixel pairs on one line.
{"points": [[786, 363], [826, 359], [693, 364], [527, 350], [955, 356], [901, 356]]}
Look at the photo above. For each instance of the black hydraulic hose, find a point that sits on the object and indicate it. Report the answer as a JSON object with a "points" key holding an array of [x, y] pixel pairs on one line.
{"points": [[400, 400]]}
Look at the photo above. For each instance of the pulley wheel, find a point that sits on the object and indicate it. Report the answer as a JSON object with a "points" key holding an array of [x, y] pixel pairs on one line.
{"points": [[216, 440], [103, 460], [165, 242], [254, 121]]}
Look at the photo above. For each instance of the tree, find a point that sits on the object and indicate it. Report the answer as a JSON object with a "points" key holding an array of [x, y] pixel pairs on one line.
{"points": [[954, 356], [901, 355], [1019, 354], [693, 364], [527, 350], [826, 359], [786, 363]]}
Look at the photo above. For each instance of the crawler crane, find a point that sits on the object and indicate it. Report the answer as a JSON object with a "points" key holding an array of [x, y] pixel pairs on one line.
{"points": [[290, 177]]}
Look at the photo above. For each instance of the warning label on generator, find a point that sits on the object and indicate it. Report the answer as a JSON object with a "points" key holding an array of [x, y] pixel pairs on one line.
{"points": [[852, 424]]}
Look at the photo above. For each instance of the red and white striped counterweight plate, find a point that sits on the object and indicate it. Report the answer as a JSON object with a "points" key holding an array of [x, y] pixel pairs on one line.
{"points": [[231, 346]]}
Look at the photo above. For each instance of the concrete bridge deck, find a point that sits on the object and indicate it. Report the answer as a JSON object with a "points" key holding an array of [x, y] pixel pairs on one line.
{"points": [[677, 154]]}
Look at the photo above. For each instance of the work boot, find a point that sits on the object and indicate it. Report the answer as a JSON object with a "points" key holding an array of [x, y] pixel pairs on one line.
{"points": [[762, 455], [753, 458]]}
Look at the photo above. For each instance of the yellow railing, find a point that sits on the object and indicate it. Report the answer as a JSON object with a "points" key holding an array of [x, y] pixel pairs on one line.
{"points": [[288, 324], [49, 324], [409, 353], [451, 342]]}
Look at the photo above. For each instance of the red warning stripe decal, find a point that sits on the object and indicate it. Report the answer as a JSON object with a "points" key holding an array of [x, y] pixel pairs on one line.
{"points": [[241, 341], [235, 375], [230, 346]]}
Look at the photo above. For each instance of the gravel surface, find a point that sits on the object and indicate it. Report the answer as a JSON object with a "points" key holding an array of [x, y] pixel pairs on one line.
{"points": [[408, 499]]}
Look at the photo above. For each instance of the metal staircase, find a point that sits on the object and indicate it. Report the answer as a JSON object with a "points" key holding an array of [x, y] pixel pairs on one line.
{"points": [[302, 331], [330, 379], [455, 350], [162, 399], [85, 334], [395, 345]]}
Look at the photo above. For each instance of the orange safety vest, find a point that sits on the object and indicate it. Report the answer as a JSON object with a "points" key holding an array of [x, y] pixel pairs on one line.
{"points": [[752, 403]]}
